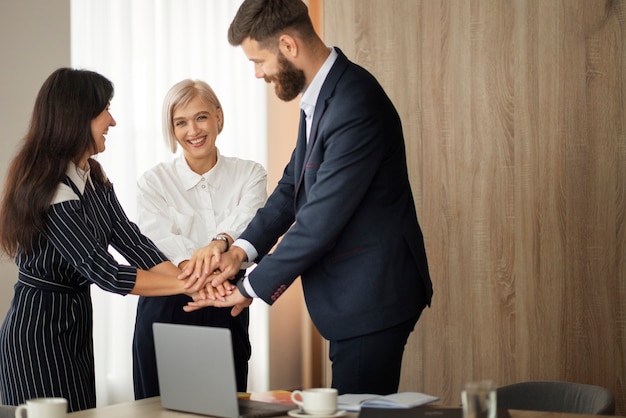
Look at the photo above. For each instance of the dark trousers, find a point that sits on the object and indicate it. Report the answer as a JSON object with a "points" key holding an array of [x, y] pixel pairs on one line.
{"points": [[370, 363]]}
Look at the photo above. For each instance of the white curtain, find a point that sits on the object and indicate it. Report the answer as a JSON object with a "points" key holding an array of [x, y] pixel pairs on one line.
{"points": [[144, 47]]}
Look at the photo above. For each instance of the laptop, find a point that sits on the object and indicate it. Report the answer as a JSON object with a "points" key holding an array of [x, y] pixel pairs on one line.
{"points": [[196, 373]]}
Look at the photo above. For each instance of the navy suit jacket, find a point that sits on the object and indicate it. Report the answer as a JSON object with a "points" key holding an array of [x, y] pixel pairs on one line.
{"points": [[345, 207]]}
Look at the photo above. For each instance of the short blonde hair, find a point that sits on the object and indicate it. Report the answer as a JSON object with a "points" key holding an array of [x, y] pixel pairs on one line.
{"points": [[180, 94]]}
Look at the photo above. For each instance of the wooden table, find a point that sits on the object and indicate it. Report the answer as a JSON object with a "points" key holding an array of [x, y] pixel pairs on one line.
{"points": [[145, 408], [151, 408]]}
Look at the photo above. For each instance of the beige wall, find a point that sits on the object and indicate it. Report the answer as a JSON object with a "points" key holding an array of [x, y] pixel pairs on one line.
{"points": [[515, 124], [286, 316], [35, 40]]}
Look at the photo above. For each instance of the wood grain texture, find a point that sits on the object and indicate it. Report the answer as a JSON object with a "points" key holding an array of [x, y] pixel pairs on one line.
{"points": [[514, 114]]}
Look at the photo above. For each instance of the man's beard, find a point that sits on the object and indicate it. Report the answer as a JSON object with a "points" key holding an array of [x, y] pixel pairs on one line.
{"points": [[289, 81]]}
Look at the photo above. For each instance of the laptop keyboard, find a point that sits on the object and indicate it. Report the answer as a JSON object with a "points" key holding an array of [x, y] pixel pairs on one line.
{"points": [[256, 409]]}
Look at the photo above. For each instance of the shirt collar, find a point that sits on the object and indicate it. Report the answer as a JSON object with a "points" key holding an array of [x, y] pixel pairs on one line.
{"points": [[190, 178], [312, 92], [79, 176]]}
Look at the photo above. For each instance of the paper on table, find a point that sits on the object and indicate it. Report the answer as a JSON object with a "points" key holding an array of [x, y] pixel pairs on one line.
{"points": [[354, 402]]}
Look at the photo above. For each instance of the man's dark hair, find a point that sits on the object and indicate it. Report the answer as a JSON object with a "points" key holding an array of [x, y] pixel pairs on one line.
{"points": [[264, 20]]}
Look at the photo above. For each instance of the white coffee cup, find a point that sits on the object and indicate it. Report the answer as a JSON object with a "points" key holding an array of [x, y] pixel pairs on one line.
{"points": [[317, 401], [43, 408]]}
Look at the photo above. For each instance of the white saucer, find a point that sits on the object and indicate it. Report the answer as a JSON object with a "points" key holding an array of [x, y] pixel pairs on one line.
{"points": [[296, 413]]}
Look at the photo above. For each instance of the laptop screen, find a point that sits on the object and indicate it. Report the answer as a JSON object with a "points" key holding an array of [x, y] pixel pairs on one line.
{"points": [[196, 373]]}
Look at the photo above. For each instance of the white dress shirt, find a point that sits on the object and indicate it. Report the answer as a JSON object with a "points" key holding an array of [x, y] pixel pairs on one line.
{"points": [[182, 211], [312, 92]]}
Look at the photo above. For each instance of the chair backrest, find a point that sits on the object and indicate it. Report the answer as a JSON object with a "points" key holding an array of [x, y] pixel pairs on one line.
{"points": [[7, 411], [557, 397]]}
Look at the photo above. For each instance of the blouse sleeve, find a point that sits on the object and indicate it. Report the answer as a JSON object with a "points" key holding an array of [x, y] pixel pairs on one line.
{"points": [[253, 194], [158, 221]]}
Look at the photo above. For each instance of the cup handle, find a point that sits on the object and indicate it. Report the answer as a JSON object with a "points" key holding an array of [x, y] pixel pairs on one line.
{"points": [[18, 411], [294, 399]]}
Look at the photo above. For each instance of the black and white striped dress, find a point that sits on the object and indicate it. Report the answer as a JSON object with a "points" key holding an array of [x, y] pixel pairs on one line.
{"points": [[46, 346]]}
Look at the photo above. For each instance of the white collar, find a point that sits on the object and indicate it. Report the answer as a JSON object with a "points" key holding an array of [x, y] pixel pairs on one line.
{"points": [[312, 92], [190, 178], [79, 176]]}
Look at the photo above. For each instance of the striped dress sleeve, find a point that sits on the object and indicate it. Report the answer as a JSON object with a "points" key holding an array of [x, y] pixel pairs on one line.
{"points": [[126, 238], [74, 239]]}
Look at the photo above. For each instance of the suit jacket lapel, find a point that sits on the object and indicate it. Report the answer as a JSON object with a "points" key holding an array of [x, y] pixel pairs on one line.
{"points": [[326, 93], [303, 150]]}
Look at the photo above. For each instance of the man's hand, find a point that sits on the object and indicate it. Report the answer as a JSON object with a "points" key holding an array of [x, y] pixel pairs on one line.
{"points": [[236, 300], [227, 265]]}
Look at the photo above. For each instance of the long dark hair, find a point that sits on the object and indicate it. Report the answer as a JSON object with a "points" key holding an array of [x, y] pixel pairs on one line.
{"points": [[60, 132]]}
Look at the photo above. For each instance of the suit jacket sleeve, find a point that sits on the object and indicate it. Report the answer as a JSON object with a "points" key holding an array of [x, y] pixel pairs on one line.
{"points": [[322, 189]]}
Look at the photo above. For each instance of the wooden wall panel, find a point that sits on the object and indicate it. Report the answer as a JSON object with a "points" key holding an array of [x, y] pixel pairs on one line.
{"points": [[514, 113]]}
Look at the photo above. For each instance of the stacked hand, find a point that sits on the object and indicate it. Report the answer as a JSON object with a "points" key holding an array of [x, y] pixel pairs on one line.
{"points": [[207, 273]]}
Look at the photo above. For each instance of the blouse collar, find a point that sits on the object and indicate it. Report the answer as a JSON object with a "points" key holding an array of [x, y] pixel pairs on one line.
{"points": [[79, 176], [190, 178]]}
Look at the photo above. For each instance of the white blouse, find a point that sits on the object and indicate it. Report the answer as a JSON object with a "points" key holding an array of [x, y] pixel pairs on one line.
{"points": [[182, 211]]}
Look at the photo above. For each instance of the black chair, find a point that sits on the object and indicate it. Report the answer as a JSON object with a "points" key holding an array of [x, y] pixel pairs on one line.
{"points": [[553, 396]]}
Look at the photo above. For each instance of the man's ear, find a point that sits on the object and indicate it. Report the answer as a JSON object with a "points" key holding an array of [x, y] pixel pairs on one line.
{"points": [[288, 45]]}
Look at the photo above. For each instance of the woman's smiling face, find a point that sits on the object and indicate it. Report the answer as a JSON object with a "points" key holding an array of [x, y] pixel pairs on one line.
{"points": [[196, 126], [100, 127]]}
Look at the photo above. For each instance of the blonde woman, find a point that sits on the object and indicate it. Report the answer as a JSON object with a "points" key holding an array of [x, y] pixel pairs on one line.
{"points": [[193, 208]]}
